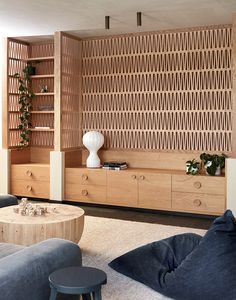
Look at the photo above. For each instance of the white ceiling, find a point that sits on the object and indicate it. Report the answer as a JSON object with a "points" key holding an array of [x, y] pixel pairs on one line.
{"points": [[86, 17]]}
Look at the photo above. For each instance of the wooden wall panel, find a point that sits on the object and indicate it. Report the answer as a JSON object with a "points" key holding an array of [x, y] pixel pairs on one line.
{"points": [[17, 55], [160, 91], [71, 92]]}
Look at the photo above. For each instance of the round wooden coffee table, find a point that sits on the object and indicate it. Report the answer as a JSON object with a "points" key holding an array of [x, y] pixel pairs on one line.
{"points": [[61, 221]]}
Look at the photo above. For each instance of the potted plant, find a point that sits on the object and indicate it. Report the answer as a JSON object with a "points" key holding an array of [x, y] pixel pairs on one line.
{"points": [[213, 163], [25, 104], [192, 167]]}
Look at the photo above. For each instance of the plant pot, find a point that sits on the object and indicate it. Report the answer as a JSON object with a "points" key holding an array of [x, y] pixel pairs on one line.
{"points": [[30, 70], [217, 172]]}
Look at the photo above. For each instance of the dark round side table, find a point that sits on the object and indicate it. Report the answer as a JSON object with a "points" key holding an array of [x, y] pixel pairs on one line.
{"points": [[78, 281]]}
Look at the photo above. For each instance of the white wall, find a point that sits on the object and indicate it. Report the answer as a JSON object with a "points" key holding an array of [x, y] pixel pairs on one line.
{"points": [[1, 59]]}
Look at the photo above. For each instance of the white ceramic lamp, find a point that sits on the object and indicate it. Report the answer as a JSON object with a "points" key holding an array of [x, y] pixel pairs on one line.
{"points": [[93, 141]]}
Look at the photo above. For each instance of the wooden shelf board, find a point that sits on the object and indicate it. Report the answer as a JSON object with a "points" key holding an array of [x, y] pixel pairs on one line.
{"points": [[40, 129], [44, 94], [40, 58], [42, 76], [42, 112]]}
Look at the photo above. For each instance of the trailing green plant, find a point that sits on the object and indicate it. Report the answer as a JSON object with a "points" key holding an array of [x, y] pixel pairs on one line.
{"points": [[212, 162], [25, 104], [192, 167]]}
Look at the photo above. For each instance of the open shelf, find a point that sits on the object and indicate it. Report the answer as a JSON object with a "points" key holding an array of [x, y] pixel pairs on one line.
{"points": [[42, 76], [44, 94], [40, 58], [42, 112], [41, 129]]}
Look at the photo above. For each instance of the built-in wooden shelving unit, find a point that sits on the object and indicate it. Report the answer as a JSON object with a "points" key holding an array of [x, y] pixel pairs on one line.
{"points": [[159, 98]]}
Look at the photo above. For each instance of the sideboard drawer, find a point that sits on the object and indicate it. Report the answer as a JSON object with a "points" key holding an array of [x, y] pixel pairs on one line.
{"points": [[201, 203], [30, 172], [198, 184], [30, 189], [85, 193], [83, 176]]}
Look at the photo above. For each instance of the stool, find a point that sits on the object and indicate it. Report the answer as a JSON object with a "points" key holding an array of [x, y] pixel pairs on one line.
{"points": [[77, 281]]}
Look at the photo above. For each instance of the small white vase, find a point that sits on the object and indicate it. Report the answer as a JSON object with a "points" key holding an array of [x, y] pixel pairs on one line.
{"points": [[93, 141]]}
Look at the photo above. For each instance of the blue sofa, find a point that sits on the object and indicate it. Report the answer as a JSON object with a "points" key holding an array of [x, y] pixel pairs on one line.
{"points": [[24, 270]]}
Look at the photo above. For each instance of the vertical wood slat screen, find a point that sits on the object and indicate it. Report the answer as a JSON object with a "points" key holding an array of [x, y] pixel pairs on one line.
{"points": [[164, 91], [71, 93], [17, 55]]}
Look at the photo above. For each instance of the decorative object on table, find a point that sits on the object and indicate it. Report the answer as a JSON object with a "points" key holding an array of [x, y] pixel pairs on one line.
{"points": [[43, 88], [93, 141], [25, 104], [192, 167], [26, 208], [114, 165], [213, 163]]}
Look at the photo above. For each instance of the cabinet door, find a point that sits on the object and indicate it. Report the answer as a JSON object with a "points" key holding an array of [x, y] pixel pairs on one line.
{"points": [[39, 189], [30, 172], [85, 193], [154, 190], [199, 184], [84, 176], [122, 188], [198, 203]]}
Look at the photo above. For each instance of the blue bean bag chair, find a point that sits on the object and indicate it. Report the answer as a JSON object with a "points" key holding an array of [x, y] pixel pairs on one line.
{"points": [[187, 266]]}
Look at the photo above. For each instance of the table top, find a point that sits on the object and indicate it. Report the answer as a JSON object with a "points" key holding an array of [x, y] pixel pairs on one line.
{"points": [[56, 213], [78, 277]]}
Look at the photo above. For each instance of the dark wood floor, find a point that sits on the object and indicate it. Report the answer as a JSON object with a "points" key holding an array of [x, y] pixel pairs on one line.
{"points": [[157, 217]]}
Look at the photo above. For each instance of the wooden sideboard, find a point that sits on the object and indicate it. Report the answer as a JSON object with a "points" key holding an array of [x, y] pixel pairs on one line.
{"points": [[30, 180], [147, 188]]}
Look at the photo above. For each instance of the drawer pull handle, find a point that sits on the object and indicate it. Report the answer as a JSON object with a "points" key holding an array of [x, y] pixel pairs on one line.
{"points": [[197, 185], [142, 177], [197, 202], [28, 173], [84, 192], [134, 177], [85, 177], [29, 188]]}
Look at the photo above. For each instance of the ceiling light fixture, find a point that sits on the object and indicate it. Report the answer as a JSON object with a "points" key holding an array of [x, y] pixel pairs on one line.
{"points": [[139, 18], [107, 22]]}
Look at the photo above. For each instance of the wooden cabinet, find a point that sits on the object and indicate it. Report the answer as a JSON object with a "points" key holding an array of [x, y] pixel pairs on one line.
{"points": [[122, 188], [85, 185], [198, 194], [154, 190], [147, 188], [30, 180]]}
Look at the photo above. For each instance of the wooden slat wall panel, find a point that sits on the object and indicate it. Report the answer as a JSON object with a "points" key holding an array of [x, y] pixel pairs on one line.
{"points": [[71, 92], [17, 54], [42, 50], [161, 91]]}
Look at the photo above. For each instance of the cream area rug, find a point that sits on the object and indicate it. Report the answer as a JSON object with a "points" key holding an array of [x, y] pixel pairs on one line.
{"points": [[104, 239]]}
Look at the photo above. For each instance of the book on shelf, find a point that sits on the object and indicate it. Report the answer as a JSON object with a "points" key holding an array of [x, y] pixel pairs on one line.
{"points": [[115, 165], [115, 168]]}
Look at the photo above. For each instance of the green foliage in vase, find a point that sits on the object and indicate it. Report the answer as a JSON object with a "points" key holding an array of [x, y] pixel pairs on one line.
{"points": [[25, 105], [212, 162], [192, 167]]}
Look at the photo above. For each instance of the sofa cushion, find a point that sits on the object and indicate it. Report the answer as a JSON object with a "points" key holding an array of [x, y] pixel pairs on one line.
{"points": [[186, 266], [7, 200], [7, 249]]}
